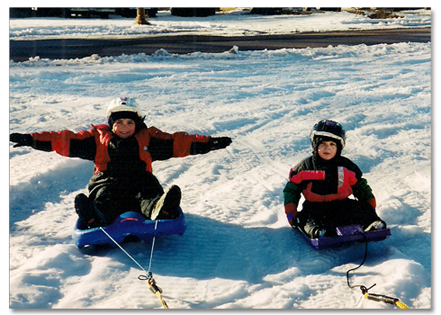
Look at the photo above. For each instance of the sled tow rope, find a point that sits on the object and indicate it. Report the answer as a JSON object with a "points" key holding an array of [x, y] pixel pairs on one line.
{"points": [[365, 291], [148, 276]]}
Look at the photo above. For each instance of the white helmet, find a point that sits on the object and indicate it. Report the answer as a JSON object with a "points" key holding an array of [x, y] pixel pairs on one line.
{"points": [[123, 104]]}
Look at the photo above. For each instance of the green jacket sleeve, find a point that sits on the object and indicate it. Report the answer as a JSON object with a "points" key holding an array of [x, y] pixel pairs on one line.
{"points": [[362, 191], [291, 193]]}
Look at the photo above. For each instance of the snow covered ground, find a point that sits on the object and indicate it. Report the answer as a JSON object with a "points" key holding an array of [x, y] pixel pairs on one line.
{"points": [[238, 250]]}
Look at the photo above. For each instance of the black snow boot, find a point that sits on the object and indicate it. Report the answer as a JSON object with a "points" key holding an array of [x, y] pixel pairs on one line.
{"points": [[86, 211], [167, 207]]}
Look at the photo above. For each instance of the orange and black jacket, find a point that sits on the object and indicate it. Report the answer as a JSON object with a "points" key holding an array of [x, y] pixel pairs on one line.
{"points": [[326, 181], [117, 156]]}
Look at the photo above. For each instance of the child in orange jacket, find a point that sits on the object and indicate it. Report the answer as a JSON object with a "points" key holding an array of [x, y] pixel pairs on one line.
{"points": [[123, 152]]}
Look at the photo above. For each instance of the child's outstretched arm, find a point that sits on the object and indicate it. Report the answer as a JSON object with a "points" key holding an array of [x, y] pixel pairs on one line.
{"points": [[163, 145], [65, 142]]}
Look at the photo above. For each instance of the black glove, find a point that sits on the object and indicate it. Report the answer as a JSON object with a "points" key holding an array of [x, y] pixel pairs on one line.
{"points": [[212, 144], [21, 139], [219, 143]]}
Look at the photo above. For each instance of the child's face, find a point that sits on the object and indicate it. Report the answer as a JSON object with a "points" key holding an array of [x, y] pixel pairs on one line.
{"points": [[124, 127], [327, 150]]}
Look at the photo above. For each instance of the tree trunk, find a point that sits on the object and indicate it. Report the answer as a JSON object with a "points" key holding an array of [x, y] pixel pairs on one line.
{"points": [[140, 17]]}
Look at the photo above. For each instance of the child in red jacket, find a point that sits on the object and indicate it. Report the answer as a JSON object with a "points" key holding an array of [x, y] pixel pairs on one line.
{"points": [[326, 180], [123, 152]]}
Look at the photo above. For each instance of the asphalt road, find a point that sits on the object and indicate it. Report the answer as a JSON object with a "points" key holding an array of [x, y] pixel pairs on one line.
{"points": [[183, 44]]}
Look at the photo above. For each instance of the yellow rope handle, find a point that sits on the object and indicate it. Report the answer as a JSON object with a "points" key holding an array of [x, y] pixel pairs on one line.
{"points": [[156, 291], [164, 304], [385, 299], [401, 305]]}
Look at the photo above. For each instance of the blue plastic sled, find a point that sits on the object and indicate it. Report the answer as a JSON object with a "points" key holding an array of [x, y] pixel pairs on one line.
{"points": [[127, 224], [346, 234]]}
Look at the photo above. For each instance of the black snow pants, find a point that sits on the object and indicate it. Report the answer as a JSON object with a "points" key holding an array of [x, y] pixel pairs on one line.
{"points": [[316, 216], [114, 196]]}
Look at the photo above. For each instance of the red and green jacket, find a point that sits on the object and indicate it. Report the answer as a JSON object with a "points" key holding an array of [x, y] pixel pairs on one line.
{"points": [[325, 181]]}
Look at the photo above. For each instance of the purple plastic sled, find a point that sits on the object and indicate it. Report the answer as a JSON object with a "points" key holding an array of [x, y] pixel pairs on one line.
{"points": [[346, 234]]}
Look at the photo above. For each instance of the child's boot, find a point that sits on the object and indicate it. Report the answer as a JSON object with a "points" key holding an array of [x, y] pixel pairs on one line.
{"points": [[86, 211], [167, 207], [375, 226]]}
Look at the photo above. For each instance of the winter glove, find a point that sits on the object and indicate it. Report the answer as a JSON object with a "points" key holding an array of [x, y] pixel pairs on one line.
{"points": [[212, 144], [219, 143], [21, 139]]}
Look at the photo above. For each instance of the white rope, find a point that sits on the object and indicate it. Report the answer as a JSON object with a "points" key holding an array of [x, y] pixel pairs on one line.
{"points": [[120, 247], [153, 247], [149, 277]]}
